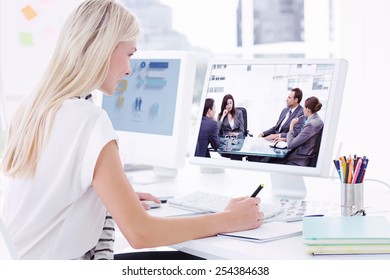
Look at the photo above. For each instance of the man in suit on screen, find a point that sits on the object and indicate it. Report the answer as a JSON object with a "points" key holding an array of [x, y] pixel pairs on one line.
{"points": [[293, 110]]}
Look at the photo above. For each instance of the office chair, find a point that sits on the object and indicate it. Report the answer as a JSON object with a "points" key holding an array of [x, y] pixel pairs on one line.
{"points": [[7, 244], [313, 160], [245, 116]]}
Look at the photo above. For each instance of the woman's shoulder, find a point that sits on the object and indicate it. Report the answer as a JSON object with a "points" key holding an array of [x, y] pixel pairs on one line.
{"points": [[80, 113], [317, 119], [80, 117], [81, 108], [314, 122], [238, 114]]}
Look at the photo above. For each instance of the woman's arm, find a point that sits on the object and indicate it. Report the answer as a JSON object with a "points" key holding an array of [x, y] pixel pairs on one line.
{"points": [[214, 136], [305, 134], [143, 230]]}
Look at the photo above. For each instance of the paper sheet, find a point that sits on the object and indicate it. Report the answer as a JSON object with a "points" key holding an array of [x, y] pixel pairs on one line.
{"points": [[267, 232]]}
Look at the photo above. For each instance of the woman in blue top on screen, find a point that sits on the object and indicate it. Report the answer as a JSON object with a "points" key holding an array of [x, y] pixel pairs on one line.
{"points": [[208, 132], [62, 157], [231, 121], [305, 145]]}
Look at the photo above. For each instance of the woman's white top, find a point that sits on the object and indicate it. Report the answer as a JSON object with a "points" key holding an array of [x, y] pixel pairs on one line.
{"points": [[231, 122], [57, 213]]}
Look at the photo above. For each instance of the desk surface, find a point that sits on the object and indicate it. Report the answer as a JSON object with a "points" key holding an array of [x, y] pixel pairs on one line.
{"points": [[251, 146], [242, 182]]}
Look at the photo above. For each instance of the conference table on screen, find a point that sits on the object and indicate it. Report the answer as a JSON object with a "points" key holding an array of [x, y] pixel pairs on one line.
{"points": [[240, 182], [250, 146]]}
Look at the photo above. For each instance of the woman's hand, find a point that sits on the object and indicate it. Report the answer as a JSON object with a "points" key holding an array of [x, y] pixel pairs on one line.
{"points": [[224, 113], [293, 122], [244, 213], [280, 139], [147, 196]]}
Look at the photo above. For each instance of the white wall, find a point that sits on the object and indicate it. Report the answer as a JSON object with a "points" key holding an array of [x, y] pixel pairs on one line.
{"points": [[365, 42], [21, 65]]}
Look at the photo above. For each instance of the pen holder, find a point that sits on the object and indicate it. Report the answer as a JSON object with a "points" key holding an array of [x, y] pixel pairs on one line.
{"points": [[352, 199]]}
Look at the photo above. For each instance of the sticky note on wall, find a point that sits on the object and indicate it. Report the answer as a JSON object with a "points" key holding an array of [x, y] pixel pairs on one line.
{"points": [[29, 12], [25, 38]]}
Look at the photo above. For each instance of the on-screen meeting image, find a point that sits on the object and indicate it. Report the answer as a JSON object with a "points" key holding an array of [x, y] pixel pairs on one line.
{"points": [[261, 97]]}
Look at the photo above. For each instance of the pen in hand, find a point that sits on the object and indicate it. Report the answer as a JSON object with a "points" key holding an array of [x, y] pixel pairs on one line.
{"points": [[259, 188]]}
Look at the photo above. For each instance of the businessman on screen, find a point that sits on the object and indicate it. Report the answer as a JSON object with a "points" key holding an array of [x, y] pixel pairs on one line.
{"points": [[293, 110]]}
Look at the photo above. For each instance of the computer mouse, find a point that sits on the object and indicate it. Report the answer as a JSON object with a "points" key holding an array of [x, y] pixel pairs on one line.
{"points": [[152, 204], [281, 145]]}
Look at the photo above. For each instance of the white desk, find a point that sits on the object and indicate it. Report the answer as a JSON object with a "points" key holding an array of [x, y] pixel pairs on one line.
{"points": [[241, 182]]}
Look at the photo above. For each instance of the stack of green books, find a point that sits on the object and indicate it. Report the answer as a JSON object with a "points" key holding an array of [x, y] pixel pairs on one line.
{"points": [[346, 235]]}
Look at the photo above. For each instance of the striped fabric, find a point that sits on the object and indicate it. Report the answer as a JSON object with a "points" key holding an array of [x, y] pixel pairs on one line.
{"points": [[104, 250]]}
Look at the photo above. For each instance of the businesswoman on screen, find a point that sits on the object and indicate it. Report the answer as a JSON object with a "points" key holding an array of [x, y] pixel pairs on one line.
{"points": [[230, 119], [305, 145], [62, 157]]}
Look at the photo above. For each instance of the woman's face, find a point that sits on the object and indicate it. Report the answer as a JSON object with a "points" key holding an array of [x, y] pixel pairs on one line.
{"points": [[229, 105], [212, 112], [119, 66]]}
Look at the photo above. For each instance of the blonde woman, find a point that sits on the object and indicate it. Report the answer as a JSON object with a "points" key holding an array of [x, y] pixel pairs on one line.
{"points": [[62, 158]]}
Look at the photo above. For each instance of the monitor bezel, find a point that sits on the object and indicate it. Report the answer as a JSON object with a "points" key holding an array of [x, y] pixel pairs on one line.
{"points": [[330, 122]]}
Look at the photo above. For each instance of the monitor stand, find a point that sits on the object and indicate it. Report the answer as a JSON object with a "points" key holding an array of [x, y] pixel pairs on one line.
{"points": [[211, 170], [136, 167], [157, 175], [288, 186]]}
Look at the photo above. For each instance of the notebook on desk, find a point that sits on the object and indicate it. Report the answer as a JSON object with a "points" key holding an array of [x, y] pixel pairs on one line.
{"points": [[346, 235], [346, 230]]}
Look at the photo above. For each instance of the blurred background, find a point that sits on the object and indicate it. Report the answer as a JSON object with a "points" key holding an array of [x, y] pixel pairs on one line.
{"points": [[356, 30]]}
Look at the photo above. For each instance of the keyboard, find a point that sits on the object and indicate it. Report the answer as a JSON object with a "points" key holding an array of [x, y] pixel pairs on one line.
{"points": [[204, 202], [296, 209]]}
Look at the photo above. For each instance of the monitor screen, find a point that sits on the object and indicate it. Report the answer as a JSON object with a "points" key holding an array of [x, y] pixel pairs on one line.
{"points": [[261, 119], [150, 109]]}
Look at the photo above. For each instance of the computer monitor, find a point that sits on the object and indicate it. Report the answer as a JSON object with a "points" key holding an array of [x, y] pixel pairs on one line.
{"points": [[150, 110], [261, 87]]}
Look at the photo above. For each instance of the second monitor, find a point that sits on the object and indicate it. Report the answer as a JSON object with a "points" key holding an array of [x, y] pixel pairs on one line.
{"points": [[150, 110]]}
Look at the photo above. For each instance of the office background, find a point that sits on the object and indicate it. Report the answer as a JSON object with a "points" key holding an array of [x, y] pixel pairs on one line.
{"points": [[352, 29]]}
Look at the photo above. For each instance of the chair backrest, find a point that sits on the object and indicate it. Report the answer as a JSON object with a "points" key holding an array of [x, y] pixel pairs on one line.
{"points": [[313, 160], [7, 247], [245, 117]]}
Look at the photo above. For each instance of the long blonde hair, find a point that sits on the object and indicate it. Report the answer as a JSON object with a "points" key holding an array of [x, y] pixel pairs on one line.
{"points": [[79, 65]]}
